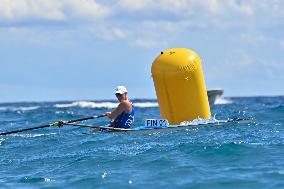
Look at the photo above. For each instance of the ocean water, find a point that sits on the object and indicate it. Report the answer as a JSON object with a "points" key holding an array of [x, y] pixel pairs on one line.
{"points": [[231, 156]]}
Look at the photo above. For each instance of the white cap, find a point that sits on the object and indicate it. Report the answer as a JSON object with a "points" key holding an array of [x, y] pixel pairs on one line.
{"points": [[120, 90]]}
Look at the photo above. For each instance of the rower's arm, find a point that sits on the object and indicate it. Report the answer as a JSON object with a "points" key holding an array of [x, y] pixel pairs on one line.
{"points": [[120, 108]]}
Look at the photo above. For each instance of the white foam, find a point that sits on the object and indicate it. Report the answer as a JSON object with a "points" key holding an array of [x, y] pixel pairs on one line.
{"points": [[146, 104], [109, 105], [48, 180], [20, 108], [33, 135], [200, 121], [87, 104], [1, 141], [223, 101]]}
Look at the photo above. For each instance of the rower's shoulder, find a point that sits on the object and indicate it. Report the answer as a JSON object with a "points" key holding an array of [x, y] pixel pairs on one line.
{"points": [[126, 103]]}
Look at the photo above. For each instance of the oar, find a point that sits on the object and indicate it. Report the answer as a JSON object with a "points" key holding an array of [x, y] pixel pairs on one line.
{"points": [[57, 123], [100, 127]]}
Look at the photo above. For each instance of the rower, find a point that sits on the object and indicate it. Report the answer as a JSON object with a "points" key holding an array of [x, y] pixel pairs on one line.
{"points": [[123, 115]]}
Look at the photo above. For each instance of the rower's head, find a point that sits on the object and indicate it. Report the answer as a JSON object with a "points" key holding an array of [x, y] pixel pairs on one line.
{"points": [[121, 93]]}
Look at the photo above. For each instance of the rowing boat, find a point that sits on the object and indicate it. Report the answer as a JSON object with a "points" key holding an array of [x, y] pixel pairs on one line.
{"points": [[168, 128], [151, 125]]}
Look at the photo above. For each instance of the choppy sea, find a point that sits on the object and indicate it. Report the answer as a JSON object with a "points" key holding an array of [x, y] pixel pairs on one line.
{"points": [[232, 156]]}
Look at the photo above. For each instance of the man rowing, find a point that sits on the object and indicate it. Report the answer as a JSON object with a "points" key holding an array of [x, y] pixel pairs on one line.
{"points": [[123, 115]]}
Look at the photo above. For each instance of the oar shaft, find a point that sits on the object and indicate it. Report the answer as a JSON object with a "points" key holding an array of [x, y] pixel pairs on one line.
{"points": [[27, 129], [86, 118], [44, 126], [99, 127]]}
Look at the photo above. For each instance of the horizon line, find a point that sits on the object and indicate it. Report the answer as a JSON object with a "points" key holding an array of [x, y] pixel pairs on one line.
{"points": [[105, 100]]}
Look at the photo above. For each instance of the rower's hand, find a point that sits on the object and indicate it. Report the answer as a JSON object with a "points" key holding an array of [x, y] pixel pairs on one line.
{"points": [[107, 114], [58, 123]]}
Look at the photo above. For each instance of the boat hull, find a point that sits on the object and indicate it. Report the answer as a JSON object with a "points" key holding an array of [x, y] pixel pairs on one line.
{"points": [[173, 128]]}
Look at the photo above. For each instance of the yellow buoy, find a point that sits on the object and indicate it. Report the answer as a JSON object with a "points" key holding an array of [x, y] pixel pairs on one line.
{"points": [[180, 85]]}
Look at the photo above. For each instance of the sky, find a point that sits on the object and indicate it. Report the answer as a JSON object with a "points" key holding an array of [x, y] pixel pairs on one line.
{"points": [[82, 49]]}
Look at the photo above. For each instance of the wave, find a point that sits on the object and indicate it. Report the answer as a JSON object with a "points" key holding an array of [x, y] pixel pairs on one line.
{"points": [[87, 104], [20, 108], [199, 121], [35, 179], [32, 135], [146, 104], [1, 141], [223, 101], [278, 108], [109, 105]]}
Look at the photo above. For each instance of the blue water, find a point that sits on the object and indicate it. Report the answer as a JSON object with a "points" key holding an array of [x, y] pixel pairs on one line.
{"points": [[231, 156]]}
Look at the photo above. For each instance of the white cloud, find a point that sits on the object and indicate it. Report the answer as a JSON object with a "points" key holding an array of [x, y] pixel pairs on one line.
{"points": [[136, 20], [51, 10], [134, 5], [194, 11], [185, 7], [245, 7]]}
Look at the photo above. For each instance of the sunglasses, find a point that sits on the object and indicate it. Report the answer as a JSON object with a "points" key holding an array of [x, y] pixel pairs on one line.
{"points": [[117, 94]]}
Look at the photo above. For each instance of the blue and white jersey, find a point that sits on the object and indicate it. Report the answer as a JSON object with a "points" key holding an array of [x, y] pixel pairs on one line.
{"points": [[124, 120]]}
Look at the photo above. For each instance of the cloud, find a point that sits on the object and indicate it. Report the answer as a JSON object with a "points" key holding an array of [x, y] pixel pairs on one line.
{"points": [[138, 20], [186, 7], [131, 5], [171, 6], [167, 19], [218, 14], [52, 10], [193, 11]]}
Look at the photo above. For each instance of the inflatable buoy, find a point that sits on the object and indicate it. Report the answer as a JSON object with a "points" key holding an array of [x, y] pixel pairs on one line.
{"points": [[180, 85]]}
